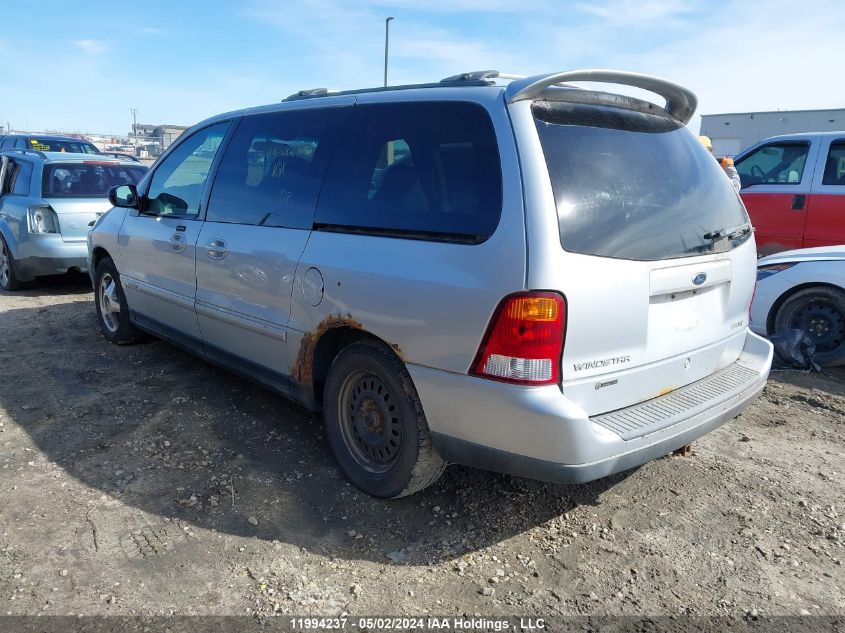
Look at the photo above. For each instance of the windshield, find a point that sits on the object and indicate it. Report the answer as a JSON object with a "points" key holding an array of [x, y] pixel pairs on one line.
{"points": [[632, 185], [87, 179], [55, 145]]}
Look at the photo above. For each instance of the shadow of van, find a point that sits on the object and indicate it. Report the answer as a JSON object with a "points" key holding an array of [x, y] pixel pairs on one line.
{"points": [[166, 433]]}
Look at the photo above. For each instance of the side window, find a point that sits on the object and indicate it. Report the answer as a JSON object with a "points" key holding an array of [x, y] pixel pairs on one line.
{"points": [[176, 186], [21, 178], [272, 170], [20, 143], [834, 167], [775, 164], [7, 187], [424, 170], [6, 143]]}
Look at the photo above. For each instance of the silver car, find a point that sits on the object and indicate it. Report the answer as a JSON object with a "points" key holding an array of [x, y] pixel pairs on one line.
{"points": [[48, 203], [519, 275]]}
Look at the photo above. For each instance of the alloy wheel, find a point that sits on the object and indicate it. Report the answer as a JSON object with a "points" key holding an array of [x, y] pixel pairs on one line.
{"points": [[109, 302]]}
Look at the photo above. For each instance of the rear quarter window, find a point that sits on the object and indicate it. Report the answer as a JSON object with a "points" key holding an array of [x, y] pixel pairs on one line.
{"points": [[634, 185], [427, 170], [21, 179]]}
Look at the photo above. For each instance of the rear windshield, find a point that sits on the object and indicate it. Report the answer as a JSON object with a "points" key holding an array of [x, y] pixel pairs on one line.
{"points": [[631, 185], [87, 180], [54, 145]]}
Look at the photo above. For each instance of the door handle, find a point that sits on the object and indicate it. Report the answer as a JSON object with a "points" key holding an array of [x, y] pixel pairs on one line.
{"points": [[798, 202], [181, 228], [177, 242], [216, 248]]}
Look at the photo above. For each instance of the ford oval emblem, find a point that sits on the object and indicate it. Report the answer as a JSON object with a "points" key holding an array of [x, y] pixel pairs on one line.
{"points": [[699, 279]]}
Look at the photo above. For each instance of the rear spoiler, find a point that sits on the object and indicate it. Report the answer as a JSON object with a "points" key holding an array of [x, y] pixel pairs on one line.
{"points": [[680, 102]]}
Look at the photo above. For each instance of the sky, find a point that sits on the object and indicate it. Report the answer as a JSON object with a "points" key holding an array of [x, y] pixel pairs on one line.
{"points": [[82, 65]]}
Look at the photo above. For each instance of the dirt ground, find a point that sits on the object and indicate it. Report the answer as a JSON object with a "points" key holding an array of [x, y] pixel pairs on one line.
{"points": [[141, 480]]}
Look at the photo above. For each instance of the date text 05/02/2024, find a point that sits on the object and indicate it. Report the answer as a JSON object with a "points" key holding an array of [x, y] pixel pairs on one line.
{"points": [[429, 623]]}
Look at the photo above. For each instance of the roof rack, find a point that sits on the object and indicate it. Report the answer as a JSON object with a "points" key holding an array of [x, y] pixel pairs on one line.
{"points": [[680, 102], [480, 75], [461, 82], [120, 155], [25, 151], [306, 94]]}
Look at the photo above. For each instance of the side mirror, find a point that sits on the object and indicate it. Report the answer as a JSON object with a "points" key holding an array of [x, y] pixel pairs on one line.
{"points": [[124, 196]]}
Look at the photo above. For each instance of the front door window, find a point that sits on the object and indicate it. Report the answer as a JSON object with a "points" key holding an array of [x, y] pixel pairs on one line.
{"points": [[177, 185]]}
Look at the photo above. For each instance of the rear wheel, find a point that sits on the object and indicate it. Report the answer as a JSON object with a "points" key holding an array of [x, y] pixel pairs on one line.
{"points": [[112, 309], [376, 425], [8, 280], [820, 311]]}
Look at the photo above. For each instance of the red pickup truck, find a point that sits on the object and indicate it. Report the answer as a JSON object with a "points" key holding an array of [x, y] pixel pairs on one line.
{"points": [[794, 189]]}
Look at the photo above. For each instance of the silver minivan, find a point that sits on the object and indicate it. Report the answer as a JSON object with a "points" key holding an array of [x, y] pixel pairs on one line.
{"points": [[509, 273]]}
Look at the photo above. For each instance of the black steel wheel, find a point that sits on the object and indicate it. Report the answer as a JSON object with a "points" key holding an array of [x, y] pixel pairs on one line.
{"points": [[370, 420], [820, 311], [375, 423]]}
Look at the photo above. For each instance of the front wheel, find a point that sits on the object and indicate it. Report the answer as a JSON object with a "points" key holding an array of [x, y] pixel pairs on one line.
{"points": [[820, 311], [112, 309], [376, 425]]}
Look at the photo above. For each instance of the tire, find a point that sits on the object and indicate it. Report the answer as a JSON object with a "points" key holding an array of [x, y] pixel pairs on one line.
{"points": [[8, 279], [111, 306], [819, 310], [393, 456]]}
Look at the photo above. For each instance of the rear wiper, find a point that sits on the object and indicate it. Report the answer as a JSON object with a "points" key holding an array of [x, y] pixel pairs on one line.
{"points": [[731, 233]]}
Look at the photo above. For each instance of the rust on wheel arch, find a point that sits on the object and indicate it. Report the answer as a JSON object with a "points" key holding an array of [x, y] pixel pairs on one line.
{"points": [[303, 369]]}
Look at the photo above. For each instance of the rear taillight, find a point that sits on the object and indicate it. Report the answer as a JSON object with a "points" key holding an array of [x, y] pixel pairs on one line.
{"points": [[42, 219], [524, 341]]}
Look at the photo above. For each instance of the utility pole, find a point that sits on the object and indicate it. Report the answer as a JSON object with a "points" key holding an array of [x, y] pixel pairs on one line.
{"points": [[386, 39], [134, 112]]}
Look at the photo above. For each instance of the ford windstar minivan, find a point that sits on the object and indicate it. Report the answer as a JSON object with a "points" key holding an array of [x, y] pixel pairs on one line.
{"points": [[509, 273]]}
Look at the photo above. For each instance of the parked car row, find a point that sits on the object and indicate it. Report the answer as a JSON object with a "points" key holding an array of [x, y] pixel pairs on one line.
{"points": [[46, 143], [463, 272], [794, 189]]}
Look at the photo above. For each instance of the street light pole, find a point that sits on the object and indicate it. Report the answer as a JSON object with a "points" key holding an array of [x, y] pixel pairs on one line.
{"points": [[386, 36], [134, 112]]}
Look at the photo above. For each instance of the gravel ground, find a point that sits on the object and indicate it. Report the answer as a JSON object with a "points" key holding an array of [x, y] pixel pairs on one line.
{"points": [[140, 480]]}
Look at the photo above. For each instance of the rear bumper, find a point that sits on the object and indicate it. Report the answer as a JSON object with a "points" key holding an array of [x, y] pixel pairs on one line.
{"points": [[538, 433], [50, 255]]}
